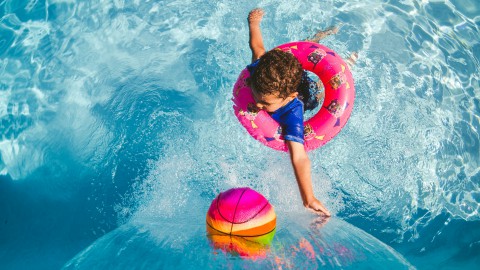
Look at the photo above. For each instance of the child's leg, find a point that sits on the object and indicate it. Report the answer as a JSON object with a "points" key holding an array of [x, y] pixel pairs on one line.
{"points": [[323, 34], [351, 60], [316, 38]]}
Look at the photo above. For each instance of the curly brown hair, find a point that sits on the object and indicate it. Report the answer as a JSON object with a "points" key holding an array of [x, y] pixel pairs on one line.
{"points": [[276, 72]]}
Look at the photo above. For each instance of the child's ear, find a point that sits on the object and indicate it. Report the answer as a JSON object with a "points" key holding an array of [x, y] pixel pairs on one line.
{"points": [[293, 95]]}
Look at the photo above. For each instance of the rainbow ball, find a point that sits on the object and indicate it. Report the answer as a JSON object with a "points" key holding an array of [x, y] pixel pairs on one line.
{"points": [[241, 214]]}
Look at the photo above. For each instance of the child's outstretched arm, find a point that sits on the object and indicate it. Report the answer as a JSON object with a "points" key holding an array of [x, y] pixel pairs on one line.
{"points": [[255, 34], [301, 166]]}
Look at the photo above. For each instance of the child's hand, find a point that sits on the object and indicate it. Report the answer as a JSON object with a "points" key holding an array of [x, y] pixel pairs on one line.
{"points": [[255, 16], [317, 207]]}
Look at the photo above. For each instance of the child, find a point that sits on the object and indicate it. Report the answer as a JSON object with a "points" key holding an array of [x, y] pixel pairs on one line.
{"points": [[275, 77]]}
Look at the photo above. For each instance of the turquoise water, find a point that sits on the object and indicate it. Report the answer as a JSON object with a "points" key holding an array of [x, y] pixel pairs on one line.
{"points": [[300, 243], [116, 122]]}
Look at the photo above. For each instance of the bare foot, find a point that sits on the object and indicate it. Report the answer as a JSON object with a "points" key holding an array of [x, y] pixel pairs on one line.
{"points": [[352, 59], [255, 16], [323, 34]]}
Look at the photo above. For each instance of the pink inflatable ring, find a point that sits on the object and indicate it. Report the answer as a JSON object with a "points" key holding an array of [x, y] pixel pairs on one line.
{"points": [[323, 126]]}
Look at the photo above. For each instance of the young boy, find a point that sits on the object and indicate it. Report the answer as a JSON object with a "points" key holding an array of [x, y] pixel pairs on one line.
{"points": [[274, 79]]}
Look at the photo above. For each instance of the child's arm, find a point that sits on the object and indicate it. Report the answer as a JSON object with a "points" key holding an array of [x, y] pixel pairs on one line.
{"points": [[255, 35], [301, 166]]}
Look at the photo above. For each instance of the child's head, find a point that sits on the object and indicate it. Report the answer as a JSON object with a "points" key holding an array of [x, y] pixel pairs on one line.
{"points": [[275, 80]]}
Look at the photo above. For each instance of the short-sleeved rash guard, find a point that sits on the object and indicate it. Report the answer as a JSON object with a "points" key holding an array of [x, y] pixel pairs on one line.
{"points": [[290, 118]]}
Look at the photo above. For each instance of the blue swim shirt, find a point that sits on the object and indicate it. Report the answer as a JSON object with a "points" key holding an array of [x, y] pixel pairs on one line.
{"points": [[290, 118]]}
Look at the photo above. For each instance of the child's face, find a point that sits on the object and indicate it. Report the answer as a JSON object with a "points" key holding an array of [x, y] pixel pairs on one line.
{"points": [[272, 102]]}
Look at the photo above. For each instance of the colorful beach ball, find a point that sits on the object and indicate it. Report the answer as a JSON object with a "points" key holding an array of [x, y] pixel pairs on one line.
{"points": [[242, 221]]}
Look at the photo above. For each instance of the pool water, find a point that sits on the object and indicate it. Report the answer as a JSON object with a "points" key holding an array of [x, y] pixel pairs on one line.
{"points": [[300, 242], [116, 122]]}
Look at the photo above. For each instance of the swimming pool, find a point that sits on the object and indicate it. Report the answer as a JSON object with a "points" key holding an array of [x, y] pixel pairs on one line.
{"points": [[118, 113]]}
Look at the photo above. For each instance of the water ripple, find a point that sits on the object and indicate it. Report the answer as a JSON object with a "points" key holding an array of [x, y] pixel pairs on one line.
{"points": [[140, 91]]}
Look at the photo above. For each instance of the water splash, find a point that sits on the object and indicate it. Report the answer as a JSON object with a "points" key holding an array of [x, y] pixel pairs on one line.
{"points": [[139, 93]]}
